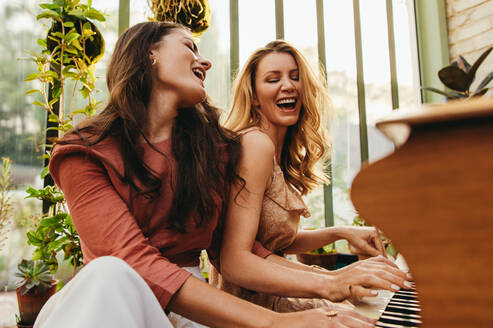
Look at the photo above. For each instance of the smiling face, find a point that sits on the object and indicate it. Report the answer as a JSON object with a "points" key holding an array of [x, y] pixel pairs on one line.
{"points": [[178, 68], [278, 89]]}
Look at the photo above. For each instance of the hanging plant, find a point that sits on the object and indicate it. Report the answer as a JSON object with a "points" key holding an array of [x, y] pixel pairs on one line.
{"points": [[194, 14]]}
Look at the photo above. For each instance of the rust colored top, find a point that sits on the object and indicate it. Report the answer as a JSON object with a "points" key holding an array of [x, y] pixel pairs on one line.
{"points": [[112, 219]]}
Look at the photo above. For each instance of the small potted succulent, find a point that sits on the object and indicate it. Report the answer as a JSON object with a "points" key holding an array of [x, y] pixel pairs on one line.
{"points": [[35, 288]]}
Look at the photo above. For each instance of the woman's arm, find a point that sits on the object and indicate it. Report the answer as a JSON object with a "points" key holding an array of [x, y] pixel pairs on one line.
{"points": [[238, 264], [364, 238], [107, 228], [241, 267]]}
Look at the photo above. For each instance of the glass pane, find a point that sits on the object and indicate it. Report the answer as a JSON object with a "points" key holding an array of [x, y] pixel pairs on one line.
{"points": [[300, 29], [139, 11], [376, 65], [407, 69], [341, 80], [257, 25], [214, 45], [21, 127]]}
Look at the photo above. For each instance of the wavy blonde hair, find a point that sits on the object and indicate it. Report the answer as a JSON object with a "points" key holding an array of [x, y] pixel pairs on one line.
{"points": [[307, 144]]}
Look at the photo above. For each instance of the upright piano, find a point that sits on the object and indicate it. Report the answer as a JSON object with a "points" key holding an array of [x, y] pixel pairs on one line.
{"points": [[433, 197]]}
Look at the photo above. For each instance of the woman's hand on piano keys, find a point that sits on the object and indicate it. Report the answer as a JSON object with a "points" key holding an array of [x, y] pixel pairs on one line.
{"points": [[362, 278], [366, 240], [340, 316]]}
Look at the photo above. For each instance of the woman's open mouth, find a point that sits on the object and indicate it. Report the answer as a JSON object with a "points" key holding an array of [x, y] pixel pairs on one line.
{"points": [[286, 103], [198, 73]]}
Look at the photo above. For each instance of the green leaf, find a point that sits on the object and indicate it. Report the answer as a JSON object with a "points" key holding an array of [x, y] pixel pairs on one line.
{"points": [[38, 103], [472, 72], [32, 237], [76, 44], [71, 37], [59, 35], [52, 74], [68, 24], [485, 82], [42, 42], [77, 13], [94, 14], [57, 91], [443, 93], [49, 6], [48, 14], [31, 91], [53, 118], [45, 172], [32, 76], [480, 93], [454, 78], [50, 221]]}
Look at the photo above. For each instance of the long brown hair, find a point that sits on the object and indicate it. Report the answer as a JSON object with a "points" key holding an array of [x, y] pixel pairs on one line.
{"points": [[198, 142], [307, 144]]}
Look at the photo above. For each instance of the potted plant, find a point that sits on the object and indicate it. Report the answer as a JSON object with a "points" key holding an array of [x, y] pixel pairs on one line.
{"points": [[67, 58], [195, 14], [35, 288], [326, 257], [460, 75]]}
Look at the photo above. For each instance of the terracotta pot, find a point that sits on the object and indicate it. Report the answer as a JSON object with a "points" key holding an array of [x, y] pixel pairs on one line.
{"points": [[327, 261], [20, 325], [30, 304]]}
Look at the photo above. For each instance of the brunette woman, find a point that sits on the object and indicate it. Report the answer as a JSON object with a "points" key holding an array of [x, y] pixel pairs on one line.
{"points": [[280, 110]]}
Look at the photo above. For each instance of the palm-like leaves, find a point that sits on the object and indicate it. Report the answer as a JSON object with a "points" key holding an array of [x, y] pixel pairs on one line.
{"points": [[460, 75]]}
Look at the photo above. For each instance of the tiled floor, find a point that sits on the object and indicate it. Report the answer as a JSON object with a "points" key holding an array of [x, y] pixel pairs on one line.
{"points": [[8, 309]]}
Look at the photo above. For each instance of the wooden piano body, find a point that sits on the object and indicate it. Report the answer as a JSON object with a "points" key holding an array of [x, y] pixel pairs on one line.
{"points": [[433, 197]]}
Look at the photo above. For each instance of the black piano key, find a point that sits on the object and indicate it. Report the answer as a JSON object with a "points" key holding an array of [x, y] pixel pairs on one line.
{"points": [[402, 309], [405, 297], [400, 318], [403, 315], [389, 325], [397, 321]]}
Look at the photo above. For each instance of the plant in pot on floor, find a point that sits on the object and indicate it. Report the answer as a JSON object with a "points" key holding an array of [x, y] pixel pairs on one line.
{"points": [[326, 257], [67, 59], [35, 288]]}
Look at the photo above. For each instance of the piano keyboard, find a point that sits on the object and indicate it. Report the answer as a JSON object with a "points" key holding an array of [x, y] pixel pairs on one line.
{"points": [[401, 311], [393, 310]]}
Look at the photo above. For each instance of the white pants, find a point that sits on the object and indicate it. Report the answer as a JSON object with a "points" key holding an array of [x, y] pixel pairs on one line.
{"points": [[105, 293]]}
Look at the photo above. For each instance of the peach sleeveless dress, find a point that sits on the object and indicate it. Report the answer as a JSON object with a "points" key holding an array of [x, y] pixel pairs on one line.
{"points": [[282, 207]]}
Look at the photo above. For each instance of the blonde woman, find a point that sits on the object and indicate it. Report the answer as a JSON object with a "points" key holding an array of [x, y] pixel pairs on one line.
{"points": [[280, 109]]}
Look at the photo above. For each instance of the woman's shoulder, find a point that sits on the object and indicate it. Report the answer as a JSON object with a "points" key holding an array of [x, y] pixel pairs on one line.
{"points": [[254, 140], [105, 152]]}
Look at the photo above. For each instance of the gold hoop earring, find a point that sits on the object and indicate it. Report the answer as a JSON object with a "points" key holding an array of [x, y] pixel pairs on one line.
{"points": [[154, 61]]}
